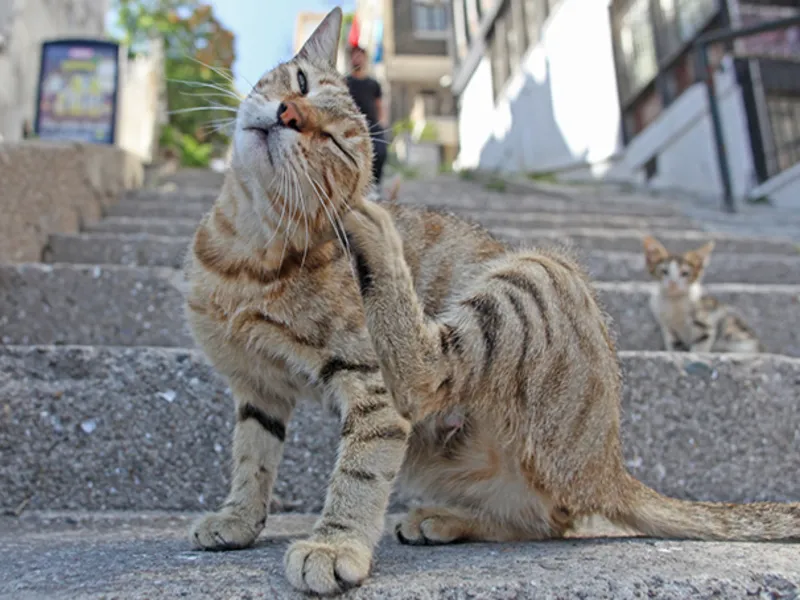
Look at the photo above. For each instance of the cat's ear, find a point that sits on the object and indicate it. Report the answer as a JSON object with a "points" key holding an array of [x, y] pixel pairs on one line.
{"points": [[703, 253], [323, 45], [654, 252]]}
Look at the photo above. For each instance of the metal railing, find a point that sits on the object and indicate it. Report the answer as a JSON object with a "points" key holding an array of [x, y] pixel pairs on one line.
{"points": [[772, 153]]}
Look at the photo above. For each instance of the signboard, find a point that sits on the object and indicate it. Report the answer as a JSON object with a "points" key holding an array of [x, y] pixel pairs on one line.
{"points": [[78, 91]]}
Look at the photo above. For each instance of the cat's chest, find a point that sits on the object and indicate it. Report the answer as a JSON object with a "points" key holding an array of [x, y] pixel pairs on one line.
{"points": [[677, 316]]}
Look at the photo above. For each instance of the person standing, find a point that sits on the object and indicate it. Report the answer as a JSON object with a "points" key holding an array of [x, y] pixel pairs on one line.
{"points": [[367, 94]]}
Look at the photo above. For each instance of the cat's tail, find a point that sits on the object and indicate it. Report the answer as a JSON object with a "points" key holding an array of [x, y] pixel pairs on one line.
{"points": [[655, 515]]}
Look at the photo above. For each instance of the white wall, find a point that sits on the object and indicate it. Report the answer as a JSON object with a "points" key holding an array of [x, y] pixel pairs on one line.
{"points": [[24, 24], [560, 109]]}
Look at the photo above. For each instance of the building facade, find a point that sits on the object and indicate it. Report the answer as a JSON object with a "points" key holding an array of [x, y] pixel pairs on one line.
{"points": [[610, 88], [408, 42]]}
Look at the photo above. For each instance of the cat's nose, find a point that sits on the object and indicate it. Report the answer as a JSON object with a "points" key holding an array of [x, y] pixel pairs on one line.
{"points": [[289, 116]]}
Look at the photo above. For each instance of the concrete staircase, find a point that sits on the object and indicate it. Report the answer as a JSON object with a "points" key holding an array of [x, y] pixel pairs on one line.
{"points": [[114, 431]]}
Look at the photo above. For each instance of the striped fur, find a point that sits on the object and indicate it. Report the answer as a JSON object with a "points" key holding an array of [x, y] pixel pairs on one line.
{"points": [[689, 320], [479, 377]]}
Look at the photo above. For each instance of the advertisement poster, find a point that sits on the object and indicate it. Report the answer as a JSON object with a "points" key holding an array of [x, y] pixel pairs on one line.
{"points": [[77, 96]]}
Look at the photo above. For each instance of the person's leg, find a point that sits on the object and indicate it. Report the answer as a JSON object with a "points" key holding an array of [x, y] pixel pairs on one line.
{"points": [[378, 158]]}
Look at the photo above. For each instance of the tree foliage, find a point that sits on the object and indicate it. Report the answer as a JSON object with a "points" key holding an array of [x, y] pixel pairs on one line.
{"points": [[199, 55]]}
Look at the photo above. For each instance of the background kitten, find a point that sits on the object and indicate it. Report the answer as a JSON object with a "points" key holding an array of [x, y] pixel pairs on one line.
{"points": [[690, 320]]}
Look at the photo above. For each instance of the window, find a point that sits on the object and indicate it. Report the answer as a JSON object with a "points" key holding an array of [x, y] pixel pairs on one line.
{"points": [[679, 22], [636, 48], [784, 120], [430, 18]]}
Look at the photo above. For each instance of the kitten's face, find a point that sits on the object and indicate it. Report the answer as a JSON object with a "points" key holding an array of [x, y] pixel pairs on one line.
{"points": [[676, 273], [300, 139]]}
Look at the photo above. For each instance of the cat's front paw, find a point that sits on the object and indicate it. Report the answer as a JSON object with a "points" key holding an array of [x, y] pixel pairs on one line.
{"points": [[374, 241], [223, 531], [327, 567]]}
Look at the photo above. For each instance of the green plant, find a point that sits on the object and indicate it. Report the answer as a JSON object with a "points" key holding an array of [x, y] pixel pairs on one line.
{"points": [[198, 57], [496, 184], [544, 177], [468, 174], [429, 133], [763, 199], [402, 126]]}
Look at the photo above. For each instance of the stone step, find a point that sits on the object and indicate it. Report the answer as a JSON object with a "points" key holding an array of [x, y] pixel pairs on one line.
{"points": [[147, 555], [185, 208], [630, 240], [160, 250], [153, 226], [450, 192], [132, 249], [724, 268], [150, 195], [149, 428], [116, 305]]}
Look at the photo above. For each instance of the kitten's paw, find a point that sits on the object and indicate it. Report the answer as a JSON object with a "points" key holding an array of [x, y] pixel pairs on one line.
{"points": [[223, 531], [430, 526], [324, 567]]}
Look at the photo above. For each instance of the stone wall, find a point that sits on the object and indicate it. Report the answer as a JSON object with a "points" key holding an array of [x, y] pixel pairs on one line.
{"points": [[24, 24], [48, 187]]}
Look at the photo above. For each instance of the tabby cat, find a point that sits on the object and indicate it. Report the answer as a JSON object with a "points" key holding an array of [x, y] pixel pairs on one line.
{"points": [[691, 321], [479, 377]]}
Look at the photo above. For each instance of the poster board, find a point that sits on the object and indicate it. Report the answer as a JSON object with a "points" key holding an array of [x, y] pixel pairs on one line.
{"points": [[78, 91]]}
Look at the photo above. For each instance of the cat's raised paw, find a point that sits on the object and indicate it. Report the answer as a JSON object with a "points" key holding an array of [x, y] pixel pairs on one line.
{"points": [[223, 531], [326, 568], [372, 229]]}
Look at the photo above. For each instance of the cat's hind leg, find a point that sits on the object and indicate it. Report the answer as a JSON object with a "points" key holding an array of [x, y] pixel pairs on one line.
{"points": [[258, 437]]}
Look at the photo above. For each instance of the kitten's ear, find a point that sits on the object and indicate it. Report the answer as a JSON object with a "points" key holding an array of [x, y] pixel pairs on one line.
{"points": [[654, 252], [323, 45], [704, 252]]}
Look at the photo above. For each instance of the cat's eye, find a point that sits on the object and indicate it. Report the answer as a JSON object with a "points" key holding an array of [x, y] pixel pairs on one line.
{"points": [[685, 272], [302, 82], [662, 270]]}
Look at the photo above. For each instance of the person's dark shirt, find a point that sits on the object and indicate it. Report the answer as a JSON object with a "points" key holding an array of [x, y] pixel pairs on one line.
{"points": [[365, 92]]}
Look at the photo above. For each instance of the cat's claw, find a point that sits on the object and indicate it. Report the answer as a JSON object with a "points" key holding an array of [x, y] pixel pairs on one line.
{"points": [[326, 568]]}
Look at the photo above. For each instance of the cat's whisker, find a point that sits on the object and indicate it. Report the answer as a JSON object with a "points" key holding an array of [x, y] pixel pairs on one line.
{"points": [[180, 111], [204, 84], [337, 231]]}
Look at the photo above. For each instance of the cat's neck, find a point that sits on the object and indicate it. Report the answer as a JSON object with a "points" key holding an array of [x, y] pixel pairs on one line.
{"points": [[252, 224]]}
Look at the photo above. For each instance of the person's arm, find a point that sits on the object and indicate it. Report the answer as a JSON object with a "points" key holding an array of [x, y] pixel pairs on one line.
{"points": [[383, 113]]}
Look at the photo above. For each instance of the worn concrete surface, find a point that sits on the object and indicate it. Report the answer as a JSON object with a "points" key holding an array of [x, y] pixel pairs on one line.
{"points": [[83, 304], [147, 556], [772, 311], [147, 428], [184, 209]]}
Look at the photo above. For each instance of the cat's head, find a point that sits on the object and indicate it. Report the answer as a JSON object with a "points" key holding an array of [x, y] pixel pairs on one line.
{"points": [[300, 142], [676, 273]]}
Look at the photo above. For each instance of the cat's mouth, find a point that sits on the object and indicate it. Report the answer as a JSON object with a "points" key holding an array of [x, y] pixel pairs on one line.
{"points": [[263, 134]]}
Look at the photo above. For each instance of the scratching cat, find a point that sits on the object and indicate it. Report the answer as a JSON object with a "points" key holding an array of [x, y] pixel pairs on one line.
{"points": [[689, 319], [476, 376]]}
